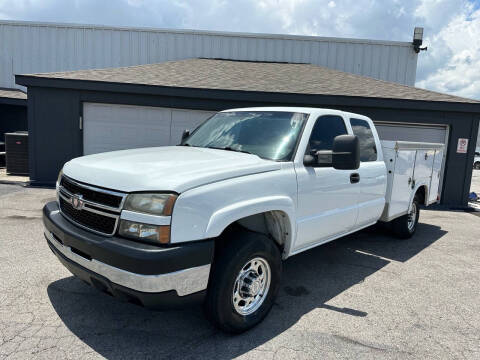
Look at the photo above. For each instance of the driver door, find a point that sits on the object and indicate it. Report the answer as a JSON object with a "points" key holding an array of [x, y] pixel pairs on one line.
{"points": [[327, 197]]}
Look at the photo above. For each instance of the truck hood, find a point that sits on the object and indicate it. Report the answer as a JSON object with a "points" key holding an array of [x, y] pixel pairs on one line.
{"points": [[170, 168]]}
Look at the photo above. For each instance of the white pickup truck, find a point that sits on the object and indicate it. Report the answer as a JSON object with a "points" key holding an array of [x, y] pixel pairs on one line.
{"points": [[212, 219]]}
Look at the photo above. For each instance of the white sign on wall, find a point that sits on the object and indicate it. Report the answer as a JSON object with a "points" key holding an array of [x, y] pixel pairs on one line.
{"points": [[462, 146]]}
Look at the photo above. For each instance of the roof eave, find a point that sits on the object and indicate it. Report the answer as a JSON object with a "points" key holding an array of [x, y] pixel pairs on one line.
{"points": [[256, 96], [13, 101]]}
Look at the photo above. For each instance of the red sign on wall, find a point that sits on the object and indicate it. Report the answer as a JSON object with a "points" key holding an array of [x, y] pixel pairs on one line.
{"points": [[462, 146]]}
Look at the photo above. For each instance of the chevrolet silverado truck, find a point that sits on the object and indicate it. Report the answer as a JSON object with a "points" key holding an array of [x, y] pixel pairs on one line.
{"points": [[213, 218]]}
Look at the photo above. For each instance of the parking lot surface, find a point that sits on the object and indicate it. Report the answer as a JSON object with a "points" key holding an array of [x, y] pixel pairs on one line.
{"points": [[366, 296]]}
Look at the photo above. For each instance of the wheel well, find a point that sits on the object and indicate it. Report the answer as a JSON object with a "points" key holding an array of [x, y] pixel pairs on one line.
{"points": [[421, 193], [273, 224]]}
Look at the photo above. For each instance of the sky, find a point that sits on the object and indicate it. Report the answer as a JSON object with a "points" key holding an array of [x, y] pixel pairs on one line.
{"points": [[452, 27]]}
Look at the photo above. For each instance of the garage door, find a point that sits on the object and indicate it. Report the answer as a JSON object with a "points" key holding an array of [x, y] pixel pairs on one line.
{"points": [[108, 127], [428, 133]]}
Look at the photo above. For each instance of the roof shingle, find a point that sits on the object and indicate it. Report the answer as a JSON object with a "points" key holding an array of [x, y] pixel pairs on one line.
{"points": [[12, 94], [257, 77]]}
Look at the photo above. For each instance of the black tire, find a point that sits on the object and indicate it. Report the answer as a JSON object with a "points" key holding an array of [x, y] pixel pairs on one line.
{"points": [[239, 249], [400, 226], [476, 165]]}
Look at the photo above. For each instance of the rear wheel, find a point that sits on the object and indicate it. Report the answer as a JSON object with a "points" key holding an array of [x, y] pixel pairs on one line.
{"points": [[244, 282], [405, 226], [476, 165]]}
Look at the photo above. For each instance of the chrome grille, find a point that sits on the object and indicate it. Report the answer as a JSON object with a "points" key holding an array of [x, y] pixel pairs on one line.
{"points": [[89, 207], [99, 196]]}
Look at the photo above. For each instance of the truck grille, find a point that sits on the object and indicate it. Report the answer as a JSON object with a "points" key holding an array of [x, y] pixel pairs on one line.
{"points": [[90, 220], [91, 195], [92, 208]]}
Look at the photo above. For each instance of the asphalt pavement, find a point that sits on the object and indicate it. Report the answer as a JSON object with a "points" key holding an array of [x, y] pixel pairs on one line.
{"points": [[366, 296]]}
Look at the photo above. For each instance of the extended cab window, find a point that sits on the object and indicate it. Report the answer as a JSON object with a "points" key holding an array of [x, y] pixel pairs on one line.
{"points": [[368, 148], [326, 128]]}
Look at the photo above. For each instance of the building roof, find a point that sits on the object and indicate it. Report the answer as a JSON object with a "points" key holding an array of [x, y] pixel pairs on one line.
{"points": [[267, 77], [13, 97], [12, 94]]}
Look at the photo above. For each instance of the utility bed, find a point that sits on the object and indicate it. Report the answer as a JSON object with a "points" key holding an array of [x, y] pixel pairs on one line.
{"points": [[410, 165]]}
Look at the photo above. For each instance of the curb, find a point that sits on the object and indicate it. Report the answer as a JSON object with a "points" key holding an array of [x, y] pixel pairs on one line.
{"points": [[11, 182]]}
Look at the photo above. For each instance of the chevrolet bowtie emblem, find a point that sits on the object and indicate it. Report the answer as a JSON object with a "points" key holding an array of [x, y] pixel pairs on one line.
{"points": [[77, 202]]}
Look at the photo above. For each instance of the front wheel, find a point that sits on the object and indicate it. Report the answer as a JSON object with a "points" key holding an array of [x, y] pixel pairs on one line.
{"points": [[476, 165], [405, 226], [244, 282]]}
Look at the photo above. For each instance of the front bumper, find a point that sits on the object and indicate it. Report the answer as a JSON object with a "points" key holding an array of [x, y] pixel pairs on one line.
{"points": [[157, 277]]}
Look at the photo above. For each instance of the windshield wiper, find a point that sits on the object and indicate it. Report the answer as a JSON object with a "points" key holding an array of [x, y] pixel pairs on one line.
{"points": [[228, 148], [187, 144]]}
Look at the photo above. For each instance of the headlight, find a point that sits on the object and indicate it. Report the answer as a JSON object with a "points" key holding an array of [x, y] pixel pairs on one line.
{"points": [[152, 204], [59, 178], [57, 185], [154, 234], [155, 204]]}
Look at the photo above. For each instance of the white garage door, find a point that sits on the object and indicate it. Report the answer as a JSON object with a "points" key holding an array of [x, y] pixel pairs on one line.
{"points": [[430, 133], [108, 127]]}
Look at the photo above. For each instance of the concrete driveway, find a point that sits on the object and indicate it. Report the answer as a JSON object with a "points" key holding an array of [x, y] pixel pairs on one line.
{"points": [[364, 297]]}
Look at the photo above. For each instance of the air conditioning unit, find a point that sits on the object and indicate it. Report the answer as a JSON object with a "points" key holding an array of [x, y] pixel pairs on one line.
{"points": [[16, 153]]}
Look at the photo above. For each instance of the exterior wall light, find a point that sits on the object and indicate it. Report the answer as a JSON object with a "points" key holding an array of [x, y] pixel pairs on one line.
{"points": [[418, 39]]}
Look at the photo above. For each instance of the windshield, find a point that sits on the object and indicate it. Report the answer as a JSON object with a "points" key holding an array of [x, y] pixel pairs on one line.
{"points": [[269, 134]]}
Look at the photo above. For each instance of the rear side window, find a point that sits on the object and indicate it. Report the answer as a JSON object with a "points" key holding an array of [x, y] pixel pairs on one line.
{"points": [[326, 128], [368, 149]]}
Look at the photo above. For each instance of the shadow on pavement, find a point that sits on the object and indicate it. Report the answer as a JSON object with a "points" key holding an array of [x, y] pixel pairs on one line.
{"points": [[120, 330]]}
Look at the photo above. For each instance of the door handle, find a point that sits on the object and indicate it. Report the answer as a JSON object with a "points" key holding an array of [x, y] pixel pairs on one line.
{"points": [[354, 178], [411, 182]]}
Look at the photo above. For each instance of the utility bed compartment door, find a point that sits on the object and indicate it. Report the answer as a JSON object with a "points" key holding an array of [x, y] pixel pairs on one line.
{"points": [[435, 181], [402, 182], [423, 166]]}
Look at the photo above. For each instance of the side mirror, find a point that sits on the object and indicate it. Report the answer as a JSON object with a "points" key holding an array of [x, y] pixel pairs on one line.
{"points": [[309, 160], [322, 158], [185, 134], [346, 152]]}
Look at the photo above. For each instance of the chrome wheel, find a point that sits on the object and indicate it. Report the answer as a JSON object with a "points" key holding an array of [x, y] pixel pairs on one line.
{"points": [[412, 217], [251, 286]]}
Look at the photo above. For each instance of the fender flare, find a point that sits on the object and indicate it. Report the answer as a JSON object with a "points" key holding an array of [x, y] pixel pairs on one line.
{"points": [[418, 186], [227, 215]]}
